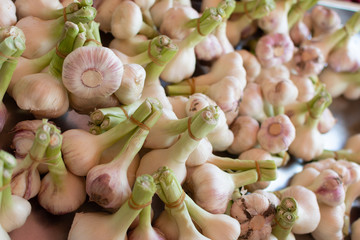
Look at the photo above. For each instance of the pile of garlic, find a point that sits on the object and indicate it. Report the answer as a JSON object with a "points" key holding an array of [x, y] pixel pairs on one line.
{"points": [[198, 102]]}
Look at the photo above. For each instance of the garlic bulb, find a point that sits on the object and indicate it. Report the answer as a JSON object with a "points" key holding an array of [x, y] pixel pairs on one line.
{"points": [[208, 49], [132, 84], [7, 13], [308, 209], [304, 177], [167, 225], [255, 214], [105, 10], [305, 86], [331, 223], [87, 105], [131, 46], [245, 130], [299, 33], [324, 20], [251, 64], [42, 94], [178, 104], [174, 21], [43, 9], [276, 133], [92, 72], [327, 121], [252, 103]]}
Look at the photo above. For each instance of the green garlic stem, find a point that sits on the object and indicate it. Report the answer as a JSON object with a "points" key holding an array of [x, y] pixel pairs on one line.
{"points": [[244, 178], [145, 218], [237, 164], [7, 48], [142, 193], [298, 10], [284, 219], [179, 89], [198, 214], [148, 31], [228, 6]]}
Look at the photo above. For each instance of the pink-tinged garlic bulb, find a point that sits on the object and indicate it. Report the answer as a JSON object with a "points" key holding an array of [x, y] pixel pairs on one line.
{"points": [[7, 13], [252, 103], [305, 86], [210, 187], [92, 71], [328, 188], [324, 20], [167, 225], [178, 104], [231, 91], [276, 133], [208, 49], [278, 71], [39, 8], [331, 223], [42, 94], [174, 20], [299, 33], [132, 46], [255, 214], [327, 121], [221, 136], [308, 208], [158, 9], [346, 58], [279, 92], [105, 10], [274, 49], [305, 177], [88, 105], [132, 84], [251, 65], [245, 129], [308, 60]]}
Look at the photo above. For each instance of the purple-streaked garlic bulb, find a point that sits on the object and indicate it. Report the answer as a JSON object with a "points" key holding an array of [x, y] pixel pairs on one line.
{"points": [[274, 49], [251, 64], [92, 72], [279, 91], [299, 33], [245, 129], [255, 214], [328, 188], [324, 20], [7, 13], [276, 133], [308, 60], [346, 57], [174, 20]]}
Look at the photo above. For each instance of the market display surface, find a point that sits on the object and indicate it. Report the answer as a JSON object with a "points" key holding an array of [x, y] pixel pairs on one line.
{"points": [[179, 119]]}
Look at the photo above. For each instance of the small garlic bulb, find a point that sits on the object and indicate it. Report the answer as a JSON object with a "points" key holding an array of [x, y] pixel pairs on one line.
{"points": [[87, 105], [279, 91], [305, 86], [7, 13], [276, 133], [43, 9], [132, 84], [209, 49], [126, 20], [252, 103], [299, 33], [308, 60], [251, 64], [245, 129], [92, 71], [178, 104], [327, 121], [15, 214]]}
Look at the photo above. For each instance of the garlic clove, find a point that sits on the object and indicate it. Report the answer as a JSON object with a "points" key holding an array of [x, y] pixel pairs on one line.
{"points": [[251, 64], [92, 71]]}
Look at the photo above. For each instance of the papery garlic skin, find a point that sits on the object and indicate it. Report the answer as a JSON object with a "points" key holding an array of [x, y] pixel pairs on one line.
{"points": [[88, 105], [274, 49], [132, 84], [277, 71], [334, 84], [201, 154], [167, 225], [62, 199], [174, 20], [7, 13], [15, 216], [276, 133], [305, 177], [105, 10], [26, 185], [208, 49], [154, 234], [92, 71], [345, 57], [324, 20], [327, 121], [255, 214], [299, 33], [308, 60], [245, 129], [306, 88], [252, 103], [178, 104], [3, 234]]}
